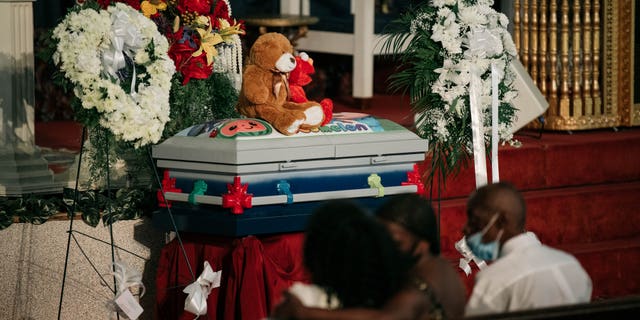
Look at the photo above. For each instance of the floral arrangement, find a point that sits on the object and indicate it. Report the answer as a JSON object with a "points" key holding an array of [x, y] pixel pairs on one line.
{"points": [[117, 63], [119, 59], [204, 44], [197, 30], [446, 43], [198, 37]]}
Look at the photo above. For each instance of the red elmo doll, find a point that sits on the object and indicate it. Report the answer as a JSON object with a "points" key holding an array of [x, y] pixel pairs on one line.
{"points": [[300, 77]]}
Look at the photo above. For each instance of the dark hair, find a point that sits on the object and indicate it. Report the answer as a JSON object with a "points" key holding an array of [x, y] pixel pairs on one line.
{"points": [[415, 214], [351, 255]]}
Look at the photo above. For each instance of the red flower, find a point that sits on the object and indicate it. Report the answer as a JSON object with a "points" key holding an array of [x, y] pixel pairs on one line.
{"points": [[201, 7], [173, 36], [196, 68], [189, 66], [105, 3], [132, 3], [221, 11]]}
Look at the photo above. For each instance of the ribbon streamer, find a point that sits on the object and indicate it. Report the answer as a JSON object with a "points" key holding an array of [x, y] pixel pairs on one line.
{"points": [[375, 182], [495, 79], [483, 44], [285, 188], [198, 291], [468, 256], [477, 129], [199, 189]]}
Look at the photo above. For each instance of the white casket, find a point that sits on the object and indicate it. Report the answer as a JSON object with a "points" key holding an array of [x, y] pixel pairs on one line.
{"points": [[236, 177]]}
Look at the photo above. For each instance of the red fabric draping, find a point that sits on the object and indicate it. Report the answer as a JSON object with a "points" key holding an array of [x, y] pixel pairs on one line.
{"points": [[255, 271]]}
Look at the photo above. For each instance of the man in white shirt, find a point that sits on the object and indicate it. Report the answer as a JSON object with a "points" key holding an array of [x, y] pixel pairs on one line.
{"points": [[525, 274]]}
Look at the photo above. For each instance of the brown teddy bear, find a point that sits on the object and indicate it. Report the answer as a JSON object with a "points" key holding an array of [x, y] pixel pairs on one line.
{"points": [[265, 89]]}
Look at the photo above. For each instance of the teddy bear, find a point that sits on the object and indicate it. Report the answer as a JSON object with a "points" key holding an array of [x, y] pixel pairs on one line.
{"points": [[299, 77], [265, 89]]}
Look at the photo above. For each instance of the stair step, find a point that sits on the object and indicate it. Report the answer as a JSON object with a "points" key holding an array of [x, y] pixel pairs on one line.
{"points": [[559, 160], [563, 216]]}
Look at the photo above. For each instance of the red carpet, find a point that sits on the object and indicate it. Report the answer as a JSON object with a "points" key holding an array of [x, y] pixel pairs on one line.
{"points": [[394, 108]]}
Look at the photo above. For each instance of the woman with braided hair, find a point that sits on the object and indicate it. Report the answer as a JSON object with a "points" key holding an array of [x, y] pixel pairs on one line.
{"points": [[351, 256]]}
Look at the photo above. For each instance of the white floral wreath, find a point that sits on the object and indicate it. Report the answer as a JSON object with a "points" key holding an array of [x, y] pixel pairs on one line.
{"points": [[102, 53]]}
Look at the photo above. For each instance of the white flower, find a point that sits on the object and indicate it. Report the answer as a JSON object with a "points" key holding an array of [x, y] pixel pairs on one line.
{"points": [[504, 21], [453, 93], [505, 132], [484, 3], [452, 45], [142, 57], [420, 23], [471, 16], [462, 78], [472, 37], [441, 129], [509, 96], [83, 37], [509, 46], [447, 70], [442, 3]]}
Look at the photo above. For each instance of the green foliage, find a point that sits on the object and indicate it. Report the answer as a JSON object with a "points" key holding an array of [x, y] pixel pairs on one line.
{"points": [[27, 209], [123, 204], [201, 100], [126, 205], [5, 220], [93, 206]]}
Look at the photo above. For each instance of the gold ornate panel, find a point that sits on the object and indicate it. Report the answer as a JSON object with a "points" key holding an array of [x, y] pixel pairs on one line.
{"points": [[618, 89], [580, 54], [634, 114]]}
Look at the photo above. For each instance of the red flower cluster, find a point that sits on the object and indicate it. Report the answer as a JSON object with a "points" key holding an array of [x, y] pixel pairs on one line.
{"points": [[132, 3], [191, 67], [177, 20]]}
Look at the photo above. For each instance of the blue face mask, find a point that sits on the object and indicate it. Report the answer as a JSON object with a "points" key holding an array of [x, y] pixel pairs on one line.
{"points": [[485, 251]]}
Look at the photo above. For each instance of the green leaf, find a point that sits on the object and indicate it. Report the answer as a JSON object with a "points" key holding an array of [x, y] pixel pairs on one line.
{"points": [[5, 220], [91, 217]]}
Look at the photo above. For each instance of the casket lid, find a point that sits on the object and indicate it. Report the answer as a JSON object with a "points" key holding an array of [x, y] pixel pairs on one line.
{"points": [[253, 141]]}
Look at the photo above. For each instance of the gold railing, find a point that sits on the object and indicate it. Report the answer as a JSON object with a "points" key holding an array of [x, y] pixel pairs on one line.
{"points": [[579, 54]]}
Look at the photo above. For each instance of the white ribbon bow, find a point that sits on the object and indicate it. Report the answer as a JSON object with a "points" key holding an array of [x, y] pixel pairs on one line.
{"points": [[467, 257], [124, 302], [125, 40], [199, 290]]}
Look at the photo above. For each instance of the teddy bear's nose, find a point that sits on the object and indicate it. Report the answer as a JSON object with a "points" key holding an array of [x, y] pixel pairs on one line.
{"points": [[292, 60]]}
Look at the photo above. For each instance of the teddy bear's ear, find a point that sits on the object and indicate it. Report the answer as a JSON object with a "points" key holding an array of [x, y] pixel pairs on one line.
{"points": [[268, 48]]}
